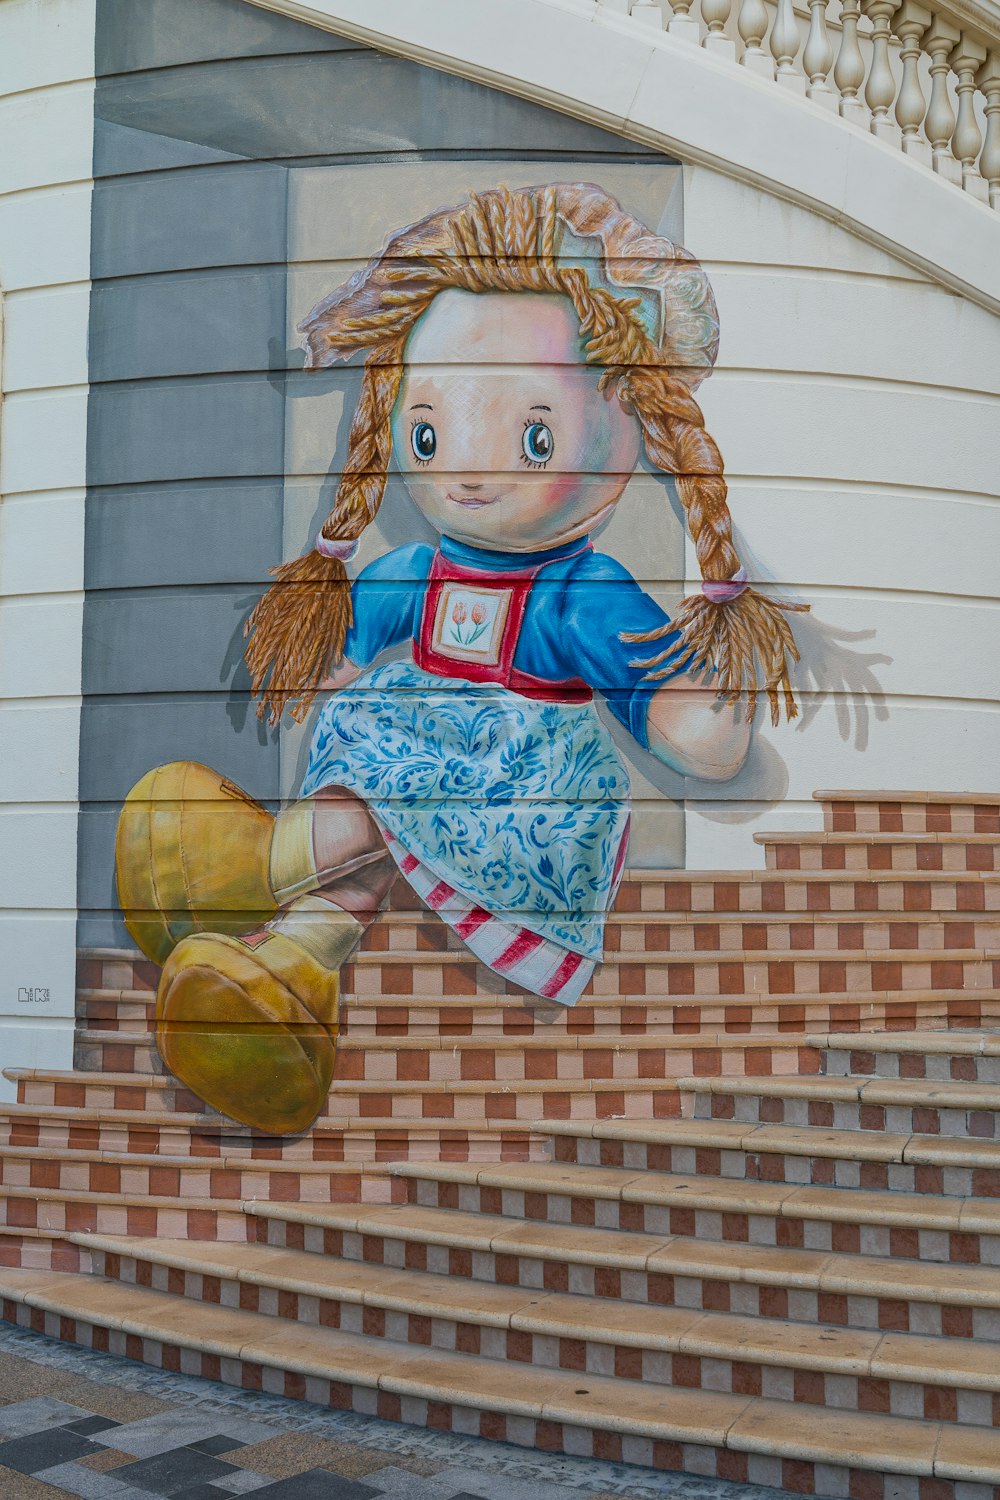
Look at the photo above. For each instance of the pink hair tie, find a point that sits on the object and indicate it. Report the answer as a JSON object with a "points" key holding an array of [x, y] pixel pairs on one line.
{"points": [[720, 591], [343, 551]]}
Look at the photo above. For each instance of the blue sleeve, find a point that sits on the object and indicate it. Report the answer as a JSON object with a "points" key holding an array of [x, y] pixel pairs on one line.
{"points": [[601, 601], [386, 598]]}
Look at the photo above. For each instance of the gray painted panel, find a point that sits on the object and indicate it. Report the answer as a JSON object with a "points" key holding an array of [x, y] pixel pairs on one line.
{"points": [[133, 34], [196, 322], [125, 738], [191, 428], [183, 640], [226, 532], [232, 215], [119, 149], [340, 109]]}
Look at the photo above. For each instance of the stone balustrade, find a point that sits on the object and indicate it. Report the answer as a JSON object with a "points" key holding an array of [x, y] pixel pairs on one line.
{"points": [[924, 77]]}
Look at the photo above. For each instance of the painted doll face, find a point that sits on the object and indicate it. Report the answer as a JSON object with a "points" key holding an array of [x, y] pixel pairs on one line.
{"points": [[500, 431]]}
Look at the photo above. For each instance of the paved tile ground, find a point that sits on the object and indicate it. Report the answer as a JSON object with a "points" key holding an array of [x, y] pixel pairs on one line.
{"points": [[73, 1422]]}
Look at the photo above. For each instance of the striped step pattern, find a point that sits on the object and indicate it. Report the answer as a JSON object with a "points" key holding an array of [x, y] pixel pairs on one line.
{"points": [[964, 1112], [383, 1017], [908, 812], [952, 853], [787, 1154], [943, 1057], [360, 1144], [509, 1059]]}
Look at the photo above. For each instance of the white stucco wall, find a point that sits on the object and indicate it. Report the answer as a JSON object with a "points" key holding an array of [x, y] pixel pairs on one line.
{"points": [[856, 405], [46, 134]]}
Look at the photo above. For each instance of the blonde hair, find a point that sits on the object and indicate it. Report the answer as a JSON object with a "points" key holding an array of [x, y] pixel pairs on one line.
{"points": [[503, 241]]}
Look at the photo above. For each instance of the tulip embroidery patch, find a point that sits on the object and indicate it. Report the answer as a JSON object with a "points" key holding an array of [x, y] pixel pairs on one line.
{"points": [[469, 623]]}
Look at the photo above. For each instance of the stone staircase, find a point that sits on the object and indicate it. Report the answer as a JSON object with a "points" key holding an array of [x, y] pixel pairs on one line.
{"points": [[754, 1174]]}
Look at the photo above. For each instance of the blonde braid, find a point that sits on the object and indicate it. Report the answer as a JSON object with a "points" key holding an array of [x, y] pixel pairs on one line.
{"points": [[299, 626], [504, 241]]}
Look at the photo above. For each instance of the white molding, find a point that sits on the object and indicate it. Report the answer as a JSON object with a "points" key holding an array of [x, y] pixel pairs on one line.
{"points": [[647, 86], [46, 162]]}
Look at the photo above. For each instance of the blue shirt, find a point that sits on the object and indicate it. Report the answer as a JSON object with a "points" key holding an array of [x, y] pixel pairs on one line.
{"points": [[577, 609]]}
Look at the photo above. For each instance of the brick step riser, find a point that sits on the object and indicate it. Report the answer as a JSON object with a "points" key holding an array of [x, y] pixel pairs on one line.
{"points": [[768, 977], [378, 1061], [383, 1020], [203, 1183], [590, 1355], [832, 932], [865, 858], [41, 1253], [795, 1170], [834, 1481], [701, 1292], [59, 1218], [492, 1101], [860, 816], [930, 1067], [361, 1154], [359, 1148], [875, 1119], [900, 1242]]}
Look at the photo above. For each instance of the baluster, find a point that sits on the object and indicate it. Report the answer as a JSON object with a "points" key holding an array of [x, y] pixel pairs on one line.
{"points": [[751, 25], [880, 89], [682, 24], [715, 14], [967, 140], [909, 24], [988, 81], [785, 44], [817, 59], [938, 40], [849, 74]]}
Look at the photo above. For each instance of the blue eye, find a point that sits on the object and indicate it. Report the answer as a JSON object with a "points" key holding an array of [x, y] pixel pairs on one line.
{"points": [[423, 441], [537, 443]]}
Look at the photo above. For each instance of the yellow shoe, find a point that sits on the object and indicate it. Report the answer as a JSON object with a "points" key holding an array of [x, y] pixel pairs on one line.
{"points": [[250, 1024], [194, 853]]}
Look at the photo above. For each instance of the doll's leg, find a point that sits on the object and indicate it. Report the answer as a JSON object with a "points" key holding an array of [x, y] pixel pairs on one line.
{"points": [[250, 1023]]}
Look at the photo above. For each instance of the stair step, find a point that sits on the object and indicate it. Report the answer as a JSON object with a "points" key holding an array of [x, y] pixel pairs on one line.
{"points": [[628, 1420], [951, 853], [510, 1059], [939, 1056], [456, 1101], [889, 1162], [897, 812], [809, 1286], [207, 1179], [845, 1102], [739, 972], [846, 1221], [60, 1212], [835, 1367], [61, 1135], [489, 1016]]}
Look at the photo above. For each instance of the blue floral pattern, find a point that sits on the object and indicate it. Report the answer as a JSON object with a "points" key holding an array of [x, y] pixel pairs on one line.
{"points": [[519, 804]]}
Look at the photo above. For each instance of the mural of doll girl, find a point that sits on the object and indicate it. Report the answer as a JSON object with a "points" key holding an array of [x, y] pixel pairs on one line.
{"points": [[520, 349]]}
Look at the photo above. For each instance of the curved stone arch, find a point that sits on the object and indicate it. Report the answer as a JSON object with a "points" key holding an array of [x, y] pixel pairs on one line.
{"points": [[651, 88]]}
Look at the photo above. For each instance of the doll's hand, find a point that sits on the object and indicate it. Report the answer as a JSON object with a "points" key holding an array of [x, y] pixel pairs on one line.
{"points": [[694, 732]]}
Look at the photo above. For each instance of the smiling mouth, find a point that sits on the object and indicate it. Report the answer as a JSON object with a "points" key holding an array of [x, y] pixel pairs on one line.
{"points": [[473, 502]]}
